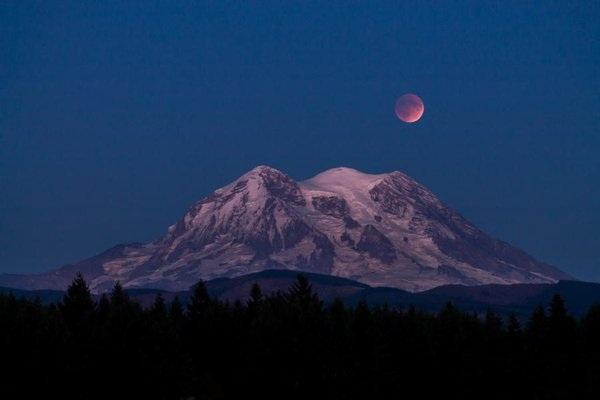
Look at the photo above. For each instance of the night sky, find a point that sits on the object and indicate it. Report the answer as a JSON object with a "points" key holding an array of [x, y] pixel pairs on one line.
{"points": [[115, 117]]}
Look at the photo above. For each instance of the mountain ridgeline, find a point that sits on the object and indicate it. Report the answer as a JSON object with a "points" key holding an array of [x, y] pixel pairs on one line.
{"points": [[381, 230]]}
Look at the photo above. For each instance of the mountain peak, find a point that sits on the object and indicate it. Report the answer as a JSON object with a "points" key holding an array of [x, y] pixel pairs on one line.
{"points": [[263, 181], [342, 177], [380, 229], [264, 169], [347, 173], [261, 172]]}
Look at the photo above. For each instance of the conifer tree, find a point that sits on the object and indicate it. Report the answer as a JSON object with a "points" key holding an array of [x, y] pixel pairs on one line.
{"points": [[118, 297], [199, 302], [302, 297], [77, 306], [538, 323], [346, 353], [256, 295], [103, 309], [560, 323], [176, 311], [158, 311], [338, 316]]}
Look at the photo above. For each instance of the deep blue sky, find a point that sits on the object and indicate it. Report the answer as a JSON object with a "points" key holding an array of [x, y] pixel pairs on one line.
{"points": [[114, 117]]}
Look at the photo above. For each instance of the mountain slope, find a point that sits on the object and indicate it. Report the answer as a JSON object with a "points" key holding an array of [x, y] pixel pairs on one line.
{"points": [[382, 230]]}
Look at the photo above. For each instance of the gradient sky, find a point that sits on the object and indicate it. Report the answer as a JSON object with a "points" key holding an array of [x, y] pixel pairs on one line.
{"points": [[115, 117]]}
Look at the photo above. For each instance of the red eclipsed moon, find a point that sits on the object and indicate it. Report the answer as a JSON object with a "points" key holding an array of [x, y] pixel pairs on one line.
{"points": [[409, 108]]}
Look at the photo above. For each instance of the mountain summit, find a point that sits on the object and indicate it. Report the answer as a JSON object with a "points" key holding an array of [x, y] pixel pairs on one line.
{"points": [[382, 230]]}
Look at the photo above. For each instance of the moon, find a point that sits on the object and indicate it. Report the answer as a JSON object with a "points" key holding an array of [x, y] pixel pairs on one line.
{"points": [[409, 108]]}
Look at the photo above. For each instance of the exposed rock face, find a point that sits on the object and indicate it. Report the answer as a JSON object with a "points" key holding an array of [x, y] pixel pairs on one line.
{"points": [[383, 230], [376, 244]]}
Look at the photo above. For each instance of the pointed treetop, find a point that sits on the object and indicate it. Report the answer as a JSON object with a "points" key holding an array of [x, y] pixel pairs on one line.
{"points": [[77, 304], [118, 295], [256, 294], [199, 300]]}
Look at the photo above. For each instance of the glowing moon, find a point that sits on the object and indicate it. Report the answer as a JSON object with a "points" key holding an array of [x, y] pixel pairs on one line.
{"points": [[409, 108]]}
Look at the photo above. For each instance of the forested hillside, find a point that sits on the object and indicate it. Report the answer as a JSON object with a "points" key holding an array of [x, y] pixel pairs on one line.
{"points": [[289, 345]]}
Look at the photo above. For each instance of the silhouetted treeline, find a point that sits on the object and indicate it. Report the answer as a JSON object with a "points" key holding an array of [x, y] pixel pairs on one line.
{"points": [[289, 345]]}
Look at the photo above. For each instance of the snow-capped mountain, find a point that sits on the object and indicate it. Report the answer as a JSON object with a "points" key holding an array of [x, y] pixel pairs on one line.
{"points": [[382, 230]]}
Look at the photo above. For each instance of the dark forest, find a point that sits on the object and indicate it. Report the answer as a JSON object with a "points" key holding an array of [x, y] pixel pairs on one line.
{"points": [[289, 345]]}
